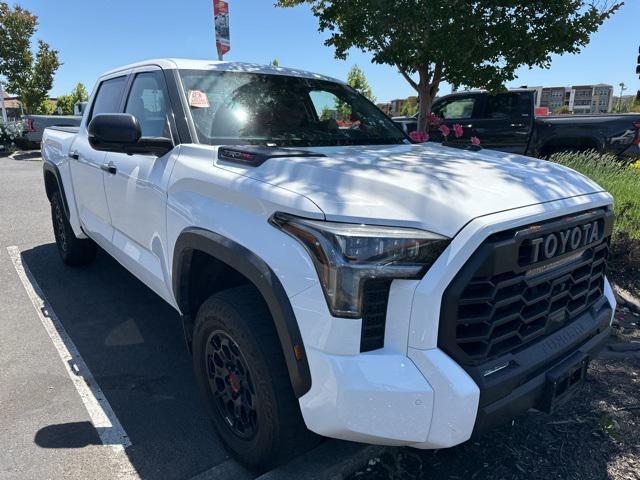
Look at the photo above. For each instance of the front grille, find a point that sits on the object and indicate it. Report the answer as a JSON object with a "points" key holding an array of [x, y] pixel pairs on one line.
{"points": [[496, 305], [375, 297]]}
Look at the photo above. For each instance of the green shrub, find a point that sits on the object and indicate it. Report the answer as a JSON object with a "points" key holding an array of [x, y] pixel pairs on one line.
{"points": [[623, 182], [618, 178]]}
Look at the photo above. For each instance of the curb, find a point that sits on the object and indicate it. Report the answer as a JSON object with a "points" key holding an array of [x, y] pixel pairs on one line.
{"points": [[626, 298], [333, 460]]}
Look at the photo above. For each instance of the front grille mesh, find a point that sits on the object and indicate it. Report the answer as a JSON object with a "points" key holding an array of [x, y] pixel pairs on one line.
{"points": [[500, 313]]}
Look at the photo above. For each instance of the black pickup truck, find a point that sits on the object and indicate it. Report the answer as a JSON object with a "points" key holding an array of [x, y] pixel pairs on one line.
{"points": [[506, 122]]}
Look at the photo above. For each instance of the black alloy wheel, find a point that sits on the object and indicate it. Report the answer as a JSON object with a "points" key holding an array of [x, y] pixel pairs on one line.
{"points": [[231, 384]]}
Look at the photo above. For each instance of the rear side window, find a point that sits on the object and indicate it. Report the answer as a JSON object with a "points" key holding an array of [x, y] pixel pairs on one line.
{"points": [[507, 105], [109, 96]]}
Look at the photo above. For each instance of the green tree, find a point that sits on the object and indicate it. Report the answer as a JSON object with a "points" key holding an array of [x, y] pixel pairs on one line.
{"points": [[65, 105], [563, 110], [357, 80], [66, 102], [29, 77], [275, 62], [473, 43], [409, 109]]}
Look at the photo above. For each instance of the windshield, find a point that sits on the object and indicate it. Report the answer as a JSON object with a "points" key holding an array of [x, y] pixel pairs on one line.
{"points": [[262, 109]]}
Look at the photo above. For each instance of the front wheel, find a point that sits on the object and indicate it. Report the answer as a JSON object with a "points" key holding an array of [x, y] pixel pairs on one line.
{"points": [[73, 251], [244, 379]]}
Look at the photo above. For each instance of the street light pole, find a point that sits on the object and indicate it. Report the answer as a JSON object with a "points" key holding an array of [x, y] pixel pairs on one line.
{"points": [[622, 89]]}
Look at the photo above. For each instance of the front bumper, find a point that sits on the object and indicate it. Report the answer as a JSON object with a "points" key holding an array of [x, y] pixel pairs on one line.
{"points": [[411, 392], [516, 390], [426, 400]]}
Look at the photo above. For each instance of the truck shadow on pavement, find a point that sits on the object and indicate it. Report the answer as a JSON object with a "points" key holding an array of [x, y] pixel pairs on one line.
{"points": [[132, 342]]}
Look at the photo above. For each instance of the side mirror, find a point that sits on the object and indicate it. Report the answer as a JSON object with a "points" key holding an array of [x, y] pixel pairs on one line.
{"points": [[120, 132]]}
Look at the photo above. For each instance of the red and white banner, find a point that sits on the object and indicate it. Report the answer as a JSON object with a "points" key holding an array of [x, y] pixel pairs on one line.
{"points": [[221, 21]]}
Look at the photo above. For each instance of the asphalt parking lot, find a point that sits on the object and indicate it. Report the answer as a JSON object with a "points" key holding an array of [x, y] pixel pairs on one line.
{"points": [[130, 341]]}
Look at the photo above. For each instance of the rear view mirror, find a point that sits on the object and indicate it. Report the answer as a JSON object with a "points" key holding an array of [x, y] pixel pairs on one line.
{"points": [[120, 132]]}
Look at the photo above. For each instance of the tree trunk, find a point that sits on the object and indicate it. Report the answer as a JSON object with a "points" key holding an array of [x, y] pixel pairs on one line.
{"points": [[427, 90], [425, 101]]}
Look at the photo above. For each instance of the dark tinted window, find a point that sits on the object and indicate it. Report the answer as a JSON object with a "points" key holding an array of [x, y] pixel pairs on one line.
{"points": [[148, 103], [507, 105], [455, 108], [109, 96], [240, 108]]}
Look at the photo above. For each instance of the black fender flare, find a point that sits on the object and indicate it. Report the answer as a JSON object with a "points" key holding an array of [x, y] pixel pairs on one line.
{"points": [[262, 277], [49, 168]]}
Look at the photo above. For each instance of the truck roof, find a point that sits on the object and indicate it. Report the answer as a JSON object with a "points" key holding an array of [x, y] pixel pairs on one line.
{"points": [[214, 65]]}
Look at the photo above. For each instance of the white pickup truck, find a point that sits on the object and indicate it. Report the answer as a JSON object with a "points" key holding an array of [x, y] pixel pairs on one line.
{"points": [[334, 279]]}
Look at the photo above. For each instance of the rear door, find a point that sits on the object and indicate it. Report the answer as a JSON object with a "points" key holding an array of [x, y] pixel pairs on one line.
{"points": [[505, 121], [87, 164], [136, 184], [456, 109]]}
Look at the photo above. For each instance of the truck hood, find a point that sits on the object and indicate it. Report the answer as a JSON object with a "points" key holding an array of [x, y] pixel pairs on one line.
{"points": [[425, 186]]}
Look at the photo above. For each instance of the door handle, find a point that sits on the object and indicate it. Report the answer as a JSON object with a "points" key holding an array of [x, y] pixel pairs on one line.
{"points": [[109, 168], [74, 155], [468, 125]]}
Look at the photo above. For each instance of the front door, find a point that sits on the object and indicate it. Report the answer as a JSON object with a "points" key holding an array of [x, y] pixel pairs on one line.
{"points": [[87, 165], [136, 184]]}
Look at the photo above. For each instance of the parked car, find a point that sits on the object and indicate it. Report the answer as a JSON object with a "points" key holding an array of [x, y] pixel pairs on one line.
{"points": [[341, 281], [506, 122], [35, 125]]}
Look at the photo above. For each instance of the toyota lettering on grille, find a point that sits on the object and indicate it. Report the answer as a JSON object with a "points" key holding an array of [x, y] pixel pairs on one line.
{"points": [[555, 244]]}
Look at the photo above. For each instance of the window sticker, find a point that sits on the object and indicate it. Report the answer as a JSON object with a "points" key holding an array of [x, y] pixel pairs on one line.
{"points": [[198, 99]]}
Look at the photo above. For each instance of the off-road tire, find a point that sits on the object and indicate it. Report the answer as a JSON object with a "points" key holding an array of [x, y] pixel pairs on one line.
{"points": [[241, 315], [73, 251]]}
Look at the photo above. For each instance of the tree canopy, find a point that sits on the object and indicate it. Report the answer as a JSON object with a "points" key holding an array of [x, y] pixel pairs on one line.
{"points": [[27, 76], [66, 102], [358, 81], [473, 43]]}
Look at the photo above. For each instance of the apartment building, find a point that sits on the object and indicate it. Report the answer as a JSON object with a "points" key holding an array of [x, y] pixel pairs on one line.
{"points": [[579, 99]]}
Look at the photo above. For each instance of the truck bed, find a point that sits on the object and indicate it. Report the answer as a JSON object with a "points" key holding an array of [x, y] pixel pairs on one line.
{"points": [[56, 143]]}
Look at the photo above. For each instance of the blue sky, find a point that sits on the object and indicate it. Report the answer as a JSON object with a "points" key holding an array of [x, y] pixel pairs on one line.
{"points": [[94, 36]]}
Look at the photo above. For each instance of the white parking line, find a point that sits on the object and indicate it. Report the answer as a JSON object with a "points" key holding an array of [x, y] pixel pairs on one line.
{"points": [[102, 416]]}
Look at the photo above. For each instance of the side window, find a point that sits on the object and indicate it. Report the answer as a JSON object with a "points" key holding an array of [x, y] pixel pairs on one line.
{"points": [[456, 108], [506, 105], [330, 110], [109, 96], [148, 103]]}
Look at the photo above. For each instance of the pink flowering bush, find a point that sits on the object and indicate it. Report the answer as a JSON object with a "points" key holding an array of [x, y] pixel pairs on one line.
{"points": [[435, 121], [445, 131], [419, 136]]}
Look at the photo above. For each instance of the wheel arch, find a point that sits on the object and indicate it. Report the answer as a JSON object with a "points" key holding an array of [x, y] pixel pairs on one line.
{"points": [[53, 183], [191, 244]]}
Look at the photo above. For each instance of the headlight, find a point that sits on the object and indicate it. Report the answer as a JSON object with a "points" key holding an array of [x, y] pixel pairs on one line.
{"points": [[345, 255]]}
